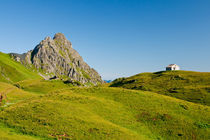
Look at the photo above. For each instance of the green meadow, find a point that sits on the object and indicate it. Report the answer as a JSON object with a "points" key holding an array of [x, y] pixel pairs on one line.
{"points": [[34, 108], [186, 85], [11, 71]]}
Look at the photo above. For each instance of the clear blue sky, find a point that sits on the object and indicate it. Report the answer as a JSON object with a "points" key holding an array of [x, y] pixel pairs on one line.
{"points": [[116, 37]]}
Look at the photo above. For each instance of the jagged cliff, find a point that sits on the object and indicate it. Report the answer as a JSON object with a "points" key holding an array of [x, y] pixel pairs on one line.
{"points": [[56, 58]]}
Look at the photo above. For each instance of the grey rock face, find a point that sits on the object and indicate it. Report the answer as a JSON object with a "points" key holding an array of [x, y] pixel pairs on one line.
{"points": [[57, 57]]}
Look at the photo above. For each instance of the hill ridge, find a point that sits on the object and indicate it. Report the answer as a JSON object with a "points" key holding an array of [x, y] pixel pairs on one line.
{"points": [[187, 85]]}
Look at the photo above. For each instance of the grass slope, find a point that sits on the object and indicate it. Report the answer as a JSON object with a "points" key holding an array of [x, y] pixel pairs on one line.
{"points": [[12, 71], [38, 109], [186, 85], [11, 95], [103, 113], [41, 86], [9, 134]]}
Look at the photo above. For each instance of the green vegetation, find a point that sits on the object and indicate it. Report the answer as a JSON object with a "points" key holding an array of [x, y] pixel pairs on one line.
{"points": [[56, 110], [41, 86], [33, 108], [186, 85], [85, 74], [61, 53], [58, 43], [11, 71], [9, 134], [11, 94]]}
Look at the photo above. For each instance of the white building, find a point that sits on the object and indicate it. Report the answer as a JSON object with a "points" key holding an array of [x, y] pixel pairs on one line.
{"points": [[173, 67]]}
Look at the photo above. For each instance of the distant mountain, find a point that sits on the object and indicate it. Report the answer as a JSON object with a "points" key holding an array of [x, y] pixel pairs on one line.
{"points": [[55, 58], [108, 81], [186, 85]]}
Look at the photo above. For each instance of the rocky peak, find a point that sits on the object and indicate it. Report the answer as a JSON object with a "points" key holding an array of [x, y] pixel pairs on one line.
{"points": [[61, 40], [47, 38], [59, 36], [56, 57]]}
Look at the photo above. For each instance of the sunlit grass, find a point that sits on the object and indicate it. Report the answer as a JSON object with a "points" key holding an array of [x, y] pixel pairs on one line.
{"points": [[104, 113], [33, 108], [186, 85], [12, 71]]}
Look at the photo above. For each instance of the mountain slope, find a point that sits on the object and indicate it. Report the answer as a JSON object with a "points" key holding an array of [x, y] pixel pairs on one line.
{"points": [[186, 85], [42, 109], [106, 113], [11, 71], [55, 58]]}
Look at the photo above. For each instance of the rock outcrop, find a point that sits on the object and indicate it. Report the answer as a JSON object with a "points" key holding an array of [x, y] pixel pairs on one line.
{"points": [[56, 58]]}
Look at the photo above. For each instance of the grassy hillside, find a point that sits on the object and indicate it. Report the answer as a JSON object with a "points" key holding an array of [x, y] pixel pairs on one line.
{"points": [[12, 71], [186, 85], [66, 112], [8, 134], [33, 108], [12, 95]]}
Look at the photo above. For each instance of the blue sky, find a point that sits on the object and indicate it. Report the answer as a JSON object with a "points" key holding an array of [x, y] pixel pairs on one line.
{"points": [[118, 38]]}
